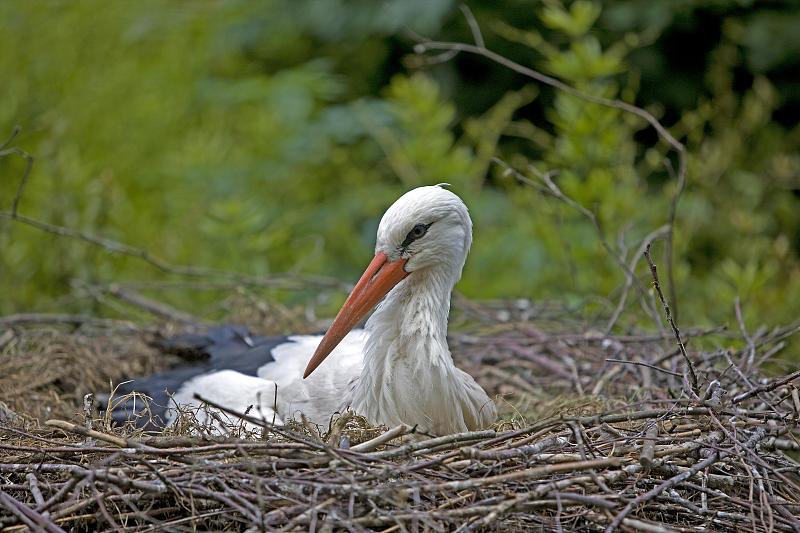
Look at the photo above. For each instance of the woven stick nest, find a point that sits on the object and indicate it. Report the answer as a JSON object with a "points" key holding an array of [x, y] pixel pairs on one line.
{"points": [[601, 433]]}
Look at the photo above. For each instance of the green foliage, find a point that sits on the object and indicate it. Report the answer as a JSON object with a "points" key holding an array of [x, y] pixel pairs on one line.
{"points": [[738, 217], [574, 21], [593, 151], [214, 135], [739, 222], [267, 137]]}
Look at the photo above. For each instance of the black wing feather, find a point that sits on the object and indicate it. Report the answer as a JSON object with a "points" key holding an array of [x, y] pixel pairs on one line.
{"points": [[220, 348]]}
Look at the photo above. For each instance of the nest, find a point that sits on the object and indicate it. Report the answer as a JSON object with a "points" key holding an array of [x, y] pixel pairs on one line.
{"points": [[600, 433]]}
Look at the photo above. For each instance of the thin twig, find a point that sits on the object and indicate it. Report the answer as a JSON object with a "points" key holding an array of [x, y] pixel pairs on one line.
{"points": [[128, 250], [473, 26], [675, 330], [5, 150], [641, 363]]}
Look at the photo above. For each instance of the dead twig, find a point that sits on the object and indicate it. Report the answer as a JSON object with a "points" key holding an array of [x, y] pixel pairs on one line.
{"points": [[657, 285]]}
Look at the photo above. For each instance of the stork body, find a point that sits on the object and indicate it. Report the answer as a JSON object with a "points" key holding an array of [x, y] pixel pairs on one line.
{"points": [[399, 368]]}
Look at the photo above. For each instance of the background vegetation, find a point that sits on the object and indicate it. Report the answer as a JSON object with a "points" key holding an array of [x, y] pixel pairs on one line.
{"points": [[268, 137]]}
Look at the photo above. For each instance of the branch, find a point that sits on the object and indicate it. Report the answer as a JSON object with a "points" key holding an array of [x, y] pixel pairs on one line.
{"points": [[154, 307], [676, 145], [159, 263], [683, 476], [668, 313], [553, 189], [34, 319], [5, 150], [142, 254], [629, 277], [767, 388], [479, 48], [473, 26]]}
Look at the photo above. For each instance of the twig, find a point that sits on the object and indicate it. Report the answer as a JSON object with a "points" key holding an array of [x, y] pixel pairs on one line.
{"points": [[747, 362], [553, 189], [649, 446], [159, 309], [629, 274], [5, 150], [39, 319], [767, 388], [480, 49], [383, 438], [675, 330], [473, 26], [33, 519], [88, 416], [35, 491], [648, 365], [424, 45], [155, 261], [675, 480], [125, 249], [73, 428]]}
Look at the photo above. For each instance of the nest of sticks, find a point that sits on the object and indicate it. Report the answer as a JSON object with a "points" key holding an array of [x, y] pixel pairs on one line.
{"points": [[600, 432]]}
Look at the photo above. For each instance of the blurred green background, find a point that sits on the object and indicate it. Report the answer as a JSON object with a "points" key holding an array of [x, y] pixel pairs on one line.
{"points": [[268, 137]]}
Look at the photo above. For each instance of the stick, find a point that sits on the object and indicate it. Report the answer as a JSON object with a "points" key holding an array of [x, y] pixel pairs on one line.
{"points": [[88, 408], [28, 516], [383, 438], [675, 330], [767, 388]]}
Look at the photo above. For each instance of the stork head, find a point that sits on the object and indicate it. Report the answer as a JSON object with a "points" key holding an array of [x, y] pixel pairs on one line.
{"points": [[427, 228]]}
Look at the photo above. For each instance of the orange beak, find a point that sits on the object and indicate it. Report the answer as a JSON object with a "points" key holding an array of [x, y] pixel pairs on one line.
{"points": [[378, 279]]}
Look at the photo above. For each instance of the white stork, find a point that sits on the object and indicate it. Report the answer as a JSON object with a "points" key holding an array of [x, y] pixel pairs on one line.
{"points": [[398, 369]]}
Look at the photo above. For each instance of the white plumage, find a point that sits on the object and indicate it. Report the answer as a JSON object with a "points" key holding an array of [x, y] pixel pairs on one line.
{"points": [[399, 368]]}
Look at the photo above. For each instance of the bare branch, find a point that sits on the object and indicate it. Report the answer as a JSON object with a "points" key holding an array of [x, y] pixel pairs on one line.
{"points": [[479, 48], [552, 189], [642, 363], [141, 254], [675, 330], [473, 26], [5, 150], [557, 84], [629, 279]]}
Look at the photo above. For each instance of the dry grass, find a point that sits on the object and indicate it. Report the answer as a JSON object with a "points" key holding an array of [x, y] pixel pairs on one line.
{"points": [[44, 372]]}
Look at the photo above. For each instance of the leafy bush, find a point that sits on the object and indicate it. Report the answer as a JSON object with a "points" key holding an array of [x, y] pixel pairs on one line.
{"points": [[269, 137]]}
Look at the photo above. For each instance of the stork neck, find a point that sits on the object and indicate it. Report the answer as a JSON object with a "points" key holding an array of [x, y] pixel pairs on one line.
{"points": [[411, 323], [408, 374]]}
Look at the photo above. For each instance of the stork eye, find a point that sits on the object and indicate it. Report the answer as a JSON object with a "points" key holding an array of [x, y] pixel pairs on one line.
{"points": [[417, 232]]}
